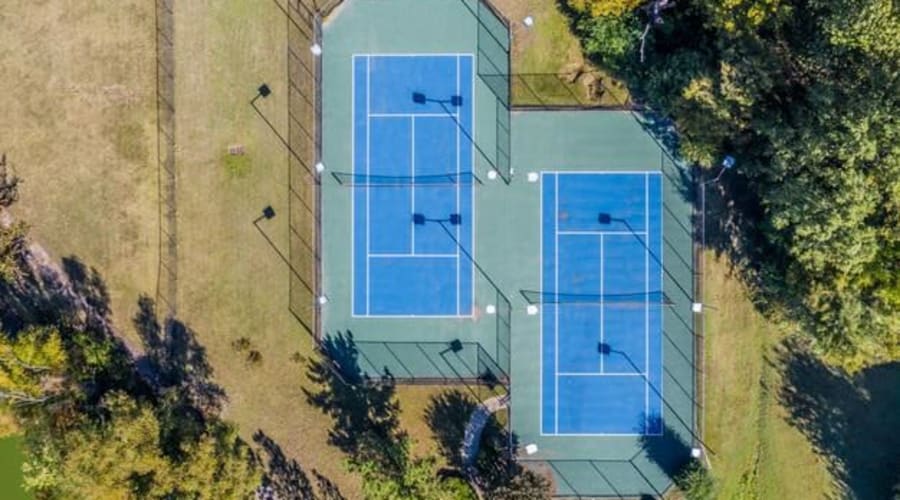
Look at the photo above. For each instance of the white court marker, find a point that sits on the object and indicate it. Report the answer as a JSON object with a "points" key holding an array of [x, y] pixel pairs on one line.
{"points": [[316, 49], [323, 300], [492, 174], [533, 177], [320, 167], [531, 310], [697, 307], [528, 21], [491, 309]]}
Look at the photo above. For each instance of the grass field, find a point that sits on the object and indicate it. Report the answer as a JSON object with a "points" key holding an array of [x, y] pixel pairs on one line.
{"points": [[79, 96], [758, 454], [10, 470], [79, 127]]}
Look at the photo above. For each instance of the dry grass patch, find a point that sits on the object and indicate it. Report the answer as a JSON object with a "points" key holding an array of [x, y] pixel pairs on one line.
{"points": [[758, 454], [78, 97]]}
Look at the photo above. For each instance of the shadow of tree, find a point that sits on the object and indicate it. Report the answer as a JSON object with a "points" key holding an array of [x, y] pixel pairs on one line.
{"points": [[88, 284], [447, 415], [852, 422], [327, 489], [70, 296], [364, 411], [668, 451], [285, 479], [176, 360], [74, 299]]}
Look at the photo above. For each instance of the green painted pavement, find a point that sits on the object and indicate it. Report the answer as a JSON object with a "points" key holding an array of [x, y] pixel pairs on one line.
{"points": [[507, 249]]}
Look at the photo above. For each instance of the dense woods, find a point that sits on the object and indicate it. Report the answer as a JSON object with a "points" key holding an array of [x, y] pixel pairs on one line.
{"points": [[805, 95]]}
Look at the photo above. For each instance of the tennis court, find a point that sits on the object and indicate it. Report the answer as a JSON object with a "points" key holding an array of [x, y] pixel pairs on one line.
{"points": [[601, 323], [468, 240], [412, 176]]}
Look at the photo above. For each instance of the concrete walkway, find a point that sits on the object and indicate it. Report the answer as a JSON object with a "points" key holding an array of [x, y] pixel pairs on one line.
{"points": [[477, 421]]}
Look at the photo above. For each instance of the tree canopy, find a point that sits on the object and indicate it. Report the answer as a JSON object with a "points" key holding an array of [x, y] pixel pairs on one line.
{"points": [[805, 95]]}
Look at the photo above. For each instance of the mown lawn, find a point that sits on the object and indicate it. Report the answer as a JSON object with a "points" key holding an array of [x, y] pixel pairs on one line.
{"points": [[757, 453]]}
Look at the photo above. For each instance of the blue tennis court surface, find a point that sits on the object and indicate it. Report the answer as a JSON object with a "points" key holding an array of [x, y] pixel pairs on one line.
{"points": [[601, 324], [412, 206]]}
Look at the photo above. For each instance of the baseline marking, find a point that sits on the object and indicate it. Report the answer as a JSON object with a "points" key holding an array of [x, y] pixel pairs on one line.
{"points": [[412, 255], [570, 232], [601, 374], [411, 115]]}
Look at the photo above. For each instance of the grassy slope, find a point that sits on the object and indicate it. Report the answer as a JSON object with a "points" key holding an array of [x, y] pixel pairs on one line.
{"points": [[757, 453], [548, 47]]}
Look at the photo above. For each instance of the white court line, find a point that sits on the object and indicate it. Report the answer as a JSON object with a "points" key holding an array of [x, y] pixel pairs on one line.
{"points": [[617, 172], [412, 115], [647, 305], [457, 195], [541, 318], [472, 212], [353, 194], [602, 336], [662, 379], [595, 233], [601, 374], [413, 316], [412, 189], [412, 255], [368, 192], [608, 434], [556, 302], [418, 54]]}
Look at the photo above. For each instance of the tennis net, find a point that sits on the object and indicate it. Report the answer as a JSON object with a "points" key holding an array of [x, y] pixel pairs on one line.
{"points": [[451, 178], [639, 299]]}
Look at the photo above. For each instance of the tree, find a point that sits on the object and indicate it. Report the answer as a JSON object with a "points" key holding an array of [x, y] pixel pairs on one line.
{"points": [[605, 8], [12, 248], [121, 455], [117, 457], [32, 366], [525, 485], [418, 479], [218, 466], [9, 184], [805, 94]]}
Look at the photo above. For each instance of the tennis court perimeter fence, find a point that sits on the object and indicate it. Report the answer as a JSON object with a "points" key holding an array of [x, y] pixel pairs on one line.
{"points": [[429, 362], [304, 23]]}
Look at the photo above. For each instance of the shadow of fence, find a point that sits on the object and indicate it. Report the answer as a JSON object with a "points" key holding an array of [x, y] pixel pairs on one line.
{"points": [[167, 274]]}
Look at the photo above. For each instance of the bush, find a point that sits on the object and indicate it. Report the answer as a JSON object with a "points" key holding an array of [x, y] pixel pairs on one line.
{"points": [[695, 482], [241, 344]]}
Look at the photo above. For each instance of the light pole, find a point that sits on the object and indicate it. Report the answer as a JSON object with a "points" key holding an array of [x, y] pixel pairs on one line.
{"points": [[727, 164]]}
